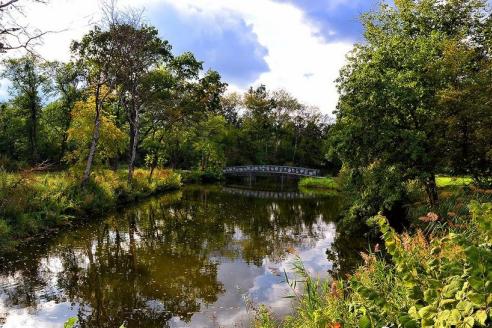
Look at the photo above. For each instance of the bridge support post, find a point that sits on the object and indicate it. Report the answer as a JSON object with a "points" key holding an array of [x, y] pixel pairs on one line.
{"points": [[282, 182]]}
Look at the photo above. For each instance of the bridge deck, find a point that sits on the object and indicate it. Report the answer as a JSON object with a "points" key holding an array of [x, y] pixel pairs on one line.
{"points": [[271, 169]]}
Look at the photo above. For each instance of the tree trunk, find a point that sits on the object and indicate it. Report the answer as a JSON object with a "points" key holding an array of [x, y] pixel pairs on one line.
{"points": [[133, 150], [33, 132], [431, 190], [63, 147], [295, 149], [153, 165], [95, 139]]}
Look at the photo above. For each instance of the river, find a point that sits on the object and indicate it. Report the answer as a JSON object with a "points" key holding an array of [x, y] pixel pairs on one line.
{"points": [[205, 256]]}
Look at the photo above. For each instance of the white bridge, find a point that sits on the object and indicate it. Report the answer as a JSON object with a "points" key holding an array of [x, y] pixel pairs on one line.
{"points": [[248, 170]]}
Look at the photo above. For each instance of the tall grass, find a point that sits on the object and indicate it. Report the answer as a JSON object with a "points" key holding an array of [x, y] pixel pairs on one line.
{"points": [[33, 202]]}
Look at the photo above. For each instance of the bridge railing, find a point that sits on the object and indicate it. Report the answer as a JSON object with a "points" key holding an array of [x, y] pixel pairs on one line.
{"points": [[271, 169]]}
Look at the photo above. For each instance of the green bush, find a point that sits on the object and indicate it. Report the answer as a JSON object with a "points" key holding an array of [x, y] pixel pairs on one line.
{"points": [[198, 176]]}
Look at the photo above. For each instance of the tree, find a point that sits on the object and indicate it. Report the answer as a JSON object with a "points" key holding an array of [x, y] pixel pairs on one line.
{"points": [[467, 111], [138, 50], [95, 53], [258, 124], [29, 80], [209, 90], [210, 134], [111, 140], [67, 83], [171, 110], [231, 104], [389, 113]]}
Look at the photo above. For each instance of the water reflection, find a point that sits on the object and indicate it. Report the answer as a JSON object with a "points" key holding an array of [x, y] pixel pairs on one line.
{"points": [[192, 258]]}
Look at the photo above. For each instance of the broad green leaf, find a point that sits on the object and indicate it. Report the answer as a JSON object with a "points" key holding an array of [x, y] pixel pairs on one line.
{"points": [[70, 323], [454, 317], [480, 317], [427, 312], [365, 322], [469, 322], [414, 313]]}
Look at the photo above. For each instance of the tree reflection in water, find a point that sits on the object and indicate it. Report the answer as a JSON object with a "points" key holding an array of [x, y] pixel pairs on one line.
{"points": [[159, 260]]}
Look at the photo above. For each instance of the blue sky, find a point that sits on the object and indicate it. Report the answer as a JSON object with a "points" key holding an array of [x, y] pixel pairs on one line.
{"points": [[233, 48], [228, 46], [296, 45], [338, 20]]}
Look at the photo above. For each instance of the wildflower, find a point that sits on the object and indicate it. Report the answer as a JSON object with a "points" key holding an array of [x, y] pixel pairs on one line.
{"points": [[430, 217]]}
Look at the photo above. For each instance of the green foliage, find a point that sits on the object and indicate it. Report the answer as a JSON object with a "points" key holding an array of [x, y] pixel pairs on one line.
{"points": [[442, 280], [371, 189], [449, 283], [263, 318], [445, 181], [70, 323], [29, 80], [323, 183], [411, 101], [31, 203], [209, 143]]}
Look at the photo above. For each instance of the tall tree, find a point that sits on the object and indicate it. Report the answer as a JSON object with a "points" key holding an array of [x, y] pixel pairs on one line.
{"points": [[389, 113], [68, 84], [95, 53], [138, 50], [29, 79]]}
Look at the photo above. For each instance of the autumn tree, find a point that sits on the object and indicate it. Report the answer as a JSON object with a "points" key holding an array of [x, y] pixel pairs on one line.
{"points": [[94, 54], [111, 140]]}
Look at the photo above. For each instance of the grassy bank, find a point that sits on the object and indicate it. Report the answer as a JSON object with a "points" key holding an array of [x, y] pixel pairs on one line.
{"points": [[447, 181], [198, 176], [32, 202], [318, 183], [435, 275]]}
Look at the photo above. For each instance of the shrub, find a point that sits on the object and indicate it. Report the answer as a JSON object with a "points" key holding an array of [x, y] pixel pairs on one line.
{"points": [[431, 281]]}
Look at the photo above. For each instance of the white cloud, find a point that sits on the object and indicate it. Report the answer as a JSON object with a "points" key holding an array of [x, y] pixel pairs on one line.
{"points": [[299, 60]]}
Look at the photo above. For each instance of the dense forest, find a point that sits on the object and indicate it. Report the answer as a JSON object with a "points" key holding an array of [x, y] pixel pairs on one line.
{"points": [[127, 99]]}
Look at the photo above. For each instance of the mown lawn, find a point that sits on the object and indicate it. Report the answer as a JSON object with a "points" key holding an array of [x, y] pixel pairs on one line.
{"points": [[449, 181], [319, 183]]}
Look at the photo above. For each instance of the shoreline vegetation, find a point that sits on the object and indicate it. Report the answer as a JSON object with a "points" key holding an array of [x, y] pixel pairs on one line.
{"points": [[36, 202], [433, 274]]}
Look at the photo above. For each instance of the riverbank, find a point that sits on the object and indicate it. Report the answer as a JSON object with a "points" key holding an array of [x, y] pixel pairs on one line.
{"points": [[35, 202], [328, 183], [434, 274]]}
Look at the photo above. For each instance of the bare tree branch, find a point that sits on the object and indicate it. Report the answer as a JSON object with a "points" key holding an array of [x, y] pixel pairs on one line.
{"points": [[14, 35]]}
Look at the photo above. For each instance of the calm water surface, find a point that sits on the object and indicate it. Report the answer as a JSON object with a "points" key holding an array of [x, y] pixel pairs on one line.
{"points": [[201, 257]]}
